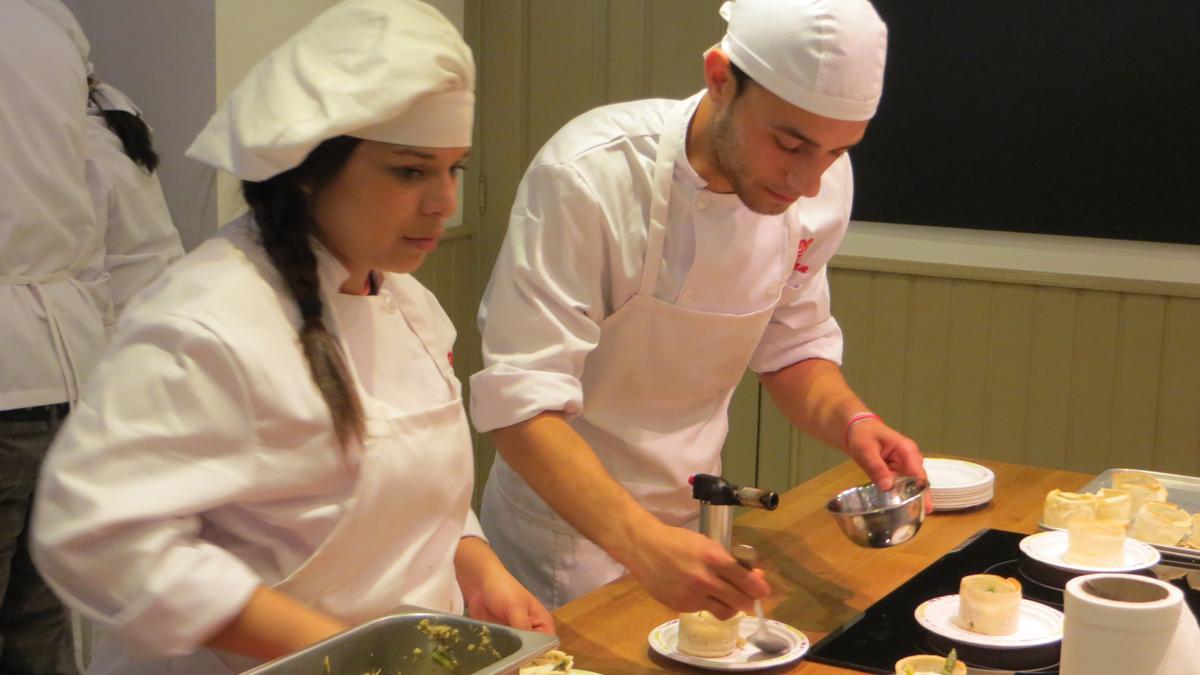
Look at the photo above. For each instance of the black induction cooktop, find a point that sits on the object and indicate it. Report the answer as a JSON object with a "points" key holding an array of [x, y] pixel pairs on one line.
{"points": [[887, 631]]}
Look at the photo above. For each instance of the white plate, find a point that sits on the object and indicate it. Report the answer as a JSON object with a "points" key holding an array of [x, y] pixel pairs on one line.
{"points": [[954, 474], [665, 639], [958, 506], [1038, 624], [1050, 547]]}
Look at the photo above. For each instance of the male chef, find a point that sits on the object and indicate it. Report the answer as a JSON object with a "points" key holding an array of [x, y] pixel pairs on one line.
{"points": [[656, 250]]}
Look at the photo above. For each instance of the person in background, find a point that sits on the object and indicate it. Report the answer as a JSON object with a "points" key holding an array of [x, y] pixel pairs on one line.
{"points": [[274, 448], [53, 298], [140, 240], [656, 250]]}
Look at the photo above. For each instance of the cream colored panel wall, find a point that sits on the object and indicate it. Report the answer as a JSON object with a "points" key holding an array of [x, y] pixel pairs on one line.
{"points": [[541, 63], [1080, 379], [1177, 427], [246, 32]]}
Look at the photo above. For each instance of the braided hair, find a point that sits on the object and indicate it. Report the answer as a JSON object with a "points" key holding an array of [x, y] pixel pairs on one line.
{"points": [[282, 207], [131, 129]]}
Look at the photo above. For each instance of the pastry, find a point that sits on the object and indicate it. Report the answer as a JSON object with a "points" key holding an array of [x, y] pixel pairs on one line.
{"points": [[989, 604], [1061, 507], [1142, 488], [553, 661], [1095, 544], [1161, 523], [702, 634], [1114, 504]]}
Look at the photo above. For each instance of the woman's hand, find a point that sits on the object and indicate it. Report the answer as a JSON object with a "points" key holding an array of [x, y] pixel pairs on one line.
{"points": [[493, 594]]}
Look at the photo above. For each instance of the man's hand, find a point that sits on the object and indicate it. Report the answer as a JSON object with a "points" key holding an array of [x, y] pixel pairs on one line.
{"points": [[688, 572], [884, 453]]}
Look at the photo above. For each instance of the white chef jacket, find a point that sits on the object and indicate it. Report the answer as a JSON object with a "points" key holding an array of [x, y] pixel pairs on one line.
{"points": [[140, 240], [201, 461], [575, 246], [53, 296]]}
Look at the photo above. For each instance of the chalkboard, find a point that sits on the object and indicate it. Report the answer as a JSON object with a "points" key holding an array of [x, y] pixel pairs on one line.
{"points": [[1074, 117]]}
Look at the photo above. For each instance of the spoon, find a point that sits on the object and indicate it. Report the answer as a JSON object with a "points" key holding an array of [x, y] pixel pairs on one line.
{"points": [[762, 637]]}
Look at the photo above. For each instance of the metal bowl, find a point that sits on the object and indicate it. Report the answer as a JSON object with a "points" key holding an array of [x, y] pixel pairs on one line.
{"points": [[877, 519], [394, 643]]}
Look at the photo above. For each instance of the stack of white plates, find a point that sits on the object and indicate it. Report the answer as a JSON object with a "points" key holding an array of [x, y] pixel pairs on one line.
{"points": [[955, 484]]}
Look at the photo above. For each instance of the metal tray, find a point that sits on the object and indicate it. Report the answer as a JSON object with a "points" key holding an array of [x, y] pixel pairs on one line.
{"points": [[1181, 490], [388, 644]]}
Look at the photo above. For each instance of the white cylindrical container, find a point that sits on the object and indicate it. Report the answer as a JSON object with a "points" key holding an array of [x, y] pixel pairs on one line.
{"points": [[1118, 623]]}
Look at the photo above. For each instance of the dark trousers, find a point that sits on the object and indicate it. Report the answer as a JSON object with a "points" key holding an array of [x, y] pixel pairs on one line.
{"points": [[35, 632]]}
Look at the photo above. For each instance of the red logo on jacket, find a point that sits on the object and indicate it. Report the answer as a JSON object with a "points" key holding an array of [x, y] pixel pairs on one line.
{"points": [[803, 248]]}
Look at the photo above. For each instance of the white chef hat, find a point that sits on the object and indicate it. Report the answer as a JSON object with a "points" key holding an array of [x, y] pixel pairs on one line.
{"points": [[107, 97], [386, 70], [825, 56]]}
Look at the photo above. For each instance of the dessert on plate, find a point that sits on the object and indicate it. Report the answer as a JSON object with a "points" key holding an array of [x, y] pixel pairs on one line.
{"points": [[553, 661], [703, 634], [989, 604], [1095, 544]]}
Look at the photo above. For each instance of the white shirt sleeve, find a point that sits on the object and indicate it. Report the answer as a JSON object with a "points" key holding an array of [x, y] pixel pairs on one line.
{"points": [[472, 528], [162, 434], [541, 313], [139, 236], [802, 326]]}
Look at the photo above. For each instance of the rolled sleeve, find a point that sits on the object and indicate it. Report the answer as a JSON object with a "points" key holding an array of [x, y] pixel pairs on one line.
{"points": [[162, 435], [472, 528], [541, 313]]}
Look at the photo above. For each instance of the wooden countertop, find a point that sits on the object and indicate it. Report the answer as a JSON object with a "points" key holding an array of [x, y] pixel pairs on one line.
{"points": [[819, 577]]}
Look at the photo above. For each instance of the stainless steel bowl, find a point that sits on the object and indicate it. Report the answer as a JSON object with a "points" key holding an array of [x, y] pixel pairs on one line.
{"points": [[877, 519]]}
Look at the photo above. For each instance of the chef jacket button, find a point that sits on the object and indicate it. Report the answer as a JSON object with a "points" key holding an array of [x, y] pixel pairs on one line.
{"points": [[702, 202], [388, 305]]}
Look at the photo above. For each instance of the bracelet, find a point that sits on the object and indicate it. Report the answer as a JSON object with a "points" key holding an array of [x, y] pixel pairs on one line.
{"points": [[855, 419]]}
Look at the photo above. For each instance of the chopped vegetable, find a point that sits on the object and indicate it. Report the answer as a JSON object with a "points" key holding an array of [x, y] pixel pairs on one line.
{"points": [[328, 668], [443, 661], [951, 660]]}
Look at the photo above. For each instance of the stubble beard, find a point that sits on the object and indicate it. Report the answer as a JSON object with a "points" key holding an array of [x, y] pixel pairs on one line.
{"points": [[730, 161]]}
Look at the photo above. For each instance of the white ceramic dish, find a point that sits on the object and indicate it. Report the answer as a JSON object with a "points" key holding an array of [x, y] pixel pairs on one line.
{"points": [[959, 506], [664, 639], [1038, 625], [954, 475], [1050, 547]]}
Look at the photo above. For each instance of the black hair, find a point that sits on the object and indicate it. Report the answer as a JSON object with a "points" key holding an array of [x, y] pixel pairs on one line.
{"points": [[282, 208], [134, 134], [740, 77]]}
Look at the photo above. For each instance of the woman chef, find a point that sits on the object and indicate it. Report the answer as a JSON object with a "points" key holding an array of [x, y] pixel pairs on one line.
{"points": [[275, 448]]}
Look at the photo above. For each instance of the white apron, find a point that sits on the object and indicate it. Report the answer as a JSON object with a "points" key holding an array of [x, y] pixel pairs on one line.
{"points": [[656, 392], [76, 334], [393, 546]]}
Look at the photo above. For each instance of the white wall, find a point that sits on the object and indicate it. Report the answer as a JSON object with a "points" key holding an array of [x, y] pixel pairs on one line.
{"points": [[177, 60], [161, 55], [245, 33]]}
